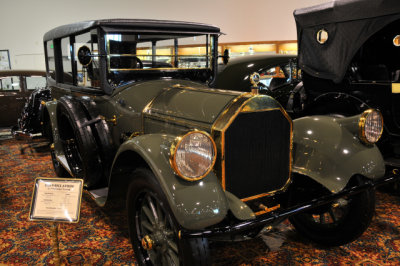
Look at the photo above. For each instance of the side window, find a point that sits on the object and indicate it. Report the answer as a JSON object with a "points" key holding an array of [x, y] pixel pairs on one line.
{"points": [[10, 84], [33, 83], [194, 52], [66, 60], [50, 59], [87, 75], [271, 75], [277, 76]]}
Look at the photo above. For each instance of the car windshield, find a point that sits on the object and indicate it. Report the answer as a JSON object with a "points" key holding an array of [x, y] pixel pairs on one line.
{"points": [[278, 76], [133, 55]]}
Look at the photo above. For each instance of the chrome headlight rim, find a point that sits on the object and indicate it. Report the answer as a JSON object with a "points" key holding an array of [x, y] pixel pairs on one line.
{"points": [[173, 151], [361, 125]]}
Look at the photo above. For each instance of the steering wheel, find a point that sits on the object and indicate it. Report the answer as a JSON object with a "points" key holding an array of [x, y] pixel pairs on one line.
{"points": [[262, 85], [138, 61]]}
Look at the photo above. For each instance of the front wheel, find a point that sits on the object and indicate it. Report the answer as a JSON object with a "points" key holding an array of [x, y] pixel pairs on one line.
{"points": [[335, 223], [153, 229]]}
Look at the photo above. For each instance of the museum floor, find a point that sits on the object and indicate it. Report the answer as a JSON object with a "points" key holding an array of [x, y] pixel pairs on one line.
{"points": [[101, 238]]}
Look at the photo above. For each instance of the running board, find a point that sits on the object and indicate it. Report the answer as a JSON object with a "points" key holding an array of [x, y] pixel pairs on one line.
{"points": [[99, 195]]}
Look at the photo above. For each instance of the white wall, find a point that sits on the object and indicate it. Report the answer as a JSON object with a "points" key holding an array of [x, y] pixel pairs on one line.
{"points": [[23, 22]]}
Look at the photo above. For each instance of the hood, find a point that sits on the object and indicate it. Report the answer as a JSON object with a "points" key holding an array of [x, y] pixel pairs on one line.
{"points": [[189, 102]]}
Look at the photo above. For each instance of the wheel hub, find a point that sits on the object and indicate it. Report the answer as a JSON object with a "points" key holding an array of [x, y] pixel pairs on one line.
{"points": [[147, 243], [158, 239]]}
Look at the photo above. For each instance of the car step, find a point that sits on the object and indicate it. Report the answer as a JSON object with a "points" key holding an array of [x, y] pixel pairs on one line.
{"points": [[99, 195], [64, 163]]}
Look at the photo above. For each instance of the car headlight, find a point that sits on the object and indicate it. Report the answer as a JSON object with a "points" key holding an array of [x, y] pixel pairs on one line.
{"points": [[370, 126], [193, 155]]}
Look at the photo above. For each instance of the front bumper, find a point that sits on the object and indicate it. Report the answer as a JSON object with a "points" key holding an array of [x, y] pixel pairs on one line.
{"points": [[282, 214]]}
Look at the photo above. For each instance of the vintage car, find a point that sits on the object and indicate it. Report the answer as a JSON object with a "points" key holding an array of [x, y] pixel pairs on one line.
{"points": [[348, 55], [278, 75], [133, 113], [15, 88]]}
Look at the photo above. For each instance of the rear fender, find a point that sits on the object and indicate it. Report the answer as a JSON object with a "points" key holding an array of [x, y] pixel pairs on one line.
{"points": [[51, 107], [328, 150], [195, 204]]}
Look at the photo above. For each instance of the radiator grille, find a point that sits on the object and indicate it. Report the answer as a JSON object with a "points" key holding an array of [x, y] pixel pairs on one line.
{"points": [[257, 153]]}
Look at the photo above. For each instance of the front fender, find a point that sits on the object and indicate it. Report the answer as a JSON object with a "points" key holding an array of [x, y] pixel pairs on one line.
{"points": [[328, 150], [196, 204]]}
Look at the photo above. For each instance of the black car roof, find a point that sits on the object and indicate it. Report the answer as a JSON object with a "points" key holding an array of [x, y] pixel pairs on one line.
{"points": [[259, 60], [349, 23], [134, 24], [345, 10]]}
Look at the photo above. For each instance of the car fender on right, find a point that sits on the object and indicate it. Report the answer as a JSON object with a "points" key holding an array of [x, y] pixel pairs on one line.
{"points": [[329, 150], [346, 71]]}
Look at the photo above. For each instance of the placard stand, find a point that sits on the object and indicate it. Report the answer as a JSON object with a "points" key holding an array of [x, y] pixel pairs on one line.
{"points": [[56, 200], [56, 245]]}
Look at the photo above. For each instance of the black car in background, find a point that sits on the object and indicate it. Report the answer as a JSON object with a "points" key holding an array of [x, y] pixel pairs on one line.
{"points": [[349, 55], [278, 75], [15, 88]]}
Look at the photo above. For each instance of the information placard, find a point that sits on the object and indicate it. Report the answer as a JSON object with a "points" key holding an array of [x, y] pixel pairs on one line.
{"points": [[56, 199]]}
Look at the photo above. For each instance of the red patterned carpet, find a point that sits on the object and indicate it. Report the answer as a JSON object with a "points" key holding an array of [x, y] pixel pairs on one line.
{"points": [[101, 238]]}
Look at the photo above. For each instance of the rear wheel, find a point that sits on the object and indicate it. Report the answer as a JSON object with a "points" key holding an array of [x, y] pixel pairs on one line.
{"points": [[153, 229], [336, 223]]}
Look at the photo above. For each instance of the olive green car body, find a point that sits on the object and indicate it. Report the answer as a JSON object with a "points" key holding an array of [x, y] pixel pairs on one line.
{"points": [[144, 118], [326, 149]]}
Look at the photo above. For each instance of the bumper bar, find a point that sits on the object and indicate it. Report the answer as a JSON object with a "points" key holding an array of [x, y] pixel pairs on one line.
{"points": [[23, 135], [282, 214]]}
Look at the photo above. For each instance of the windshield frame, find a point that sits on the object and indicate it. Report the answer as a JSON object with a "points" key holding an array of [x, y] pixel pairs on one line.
{"points": [[204, 74]]}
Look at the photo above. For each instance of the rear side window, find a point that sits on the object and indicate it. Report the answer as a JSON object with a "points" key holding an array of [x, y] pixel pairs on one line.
{"points": [[66, 60], [10, 84], [50, 59], [33, 83], [278, 76]]}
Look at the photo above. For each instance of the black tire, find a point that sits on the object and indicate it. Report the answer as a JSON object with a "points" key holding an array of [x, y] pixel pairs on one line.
{"points": [[145, 202], [101, 133], [80, 147], [337, 223]]}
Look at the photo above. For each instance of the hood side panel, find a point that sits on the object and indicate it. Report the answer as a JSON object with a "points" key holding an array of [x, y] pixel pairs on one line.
{"points": [[190, 103]]}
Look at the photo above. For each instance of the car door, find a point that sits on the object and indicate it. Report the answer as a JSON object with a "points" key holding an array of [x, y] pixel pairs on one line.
{"points": [[12, 100]]}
